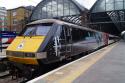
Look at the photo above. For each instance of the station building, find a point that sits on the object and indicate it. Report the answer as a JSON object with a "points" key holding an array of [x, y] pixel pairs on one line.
{"points": [[3, 19], [17, 18]]}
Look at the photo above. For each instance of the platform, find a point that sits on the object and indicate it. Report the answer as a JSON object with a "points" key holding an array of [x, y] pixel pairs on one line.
{"points": [[103, 66]]}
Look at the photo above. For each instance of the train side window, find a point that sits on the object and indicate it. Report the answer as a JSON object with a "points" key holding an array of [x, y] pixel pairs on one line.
{"points": [[79, 34], [63, 32], [62, 35], [91, 34], [66, 33]]}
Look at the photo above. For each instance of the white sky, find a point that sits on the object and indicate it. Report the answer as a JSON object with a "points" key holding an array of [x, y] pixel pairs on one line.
{"points": [[9, 4]]}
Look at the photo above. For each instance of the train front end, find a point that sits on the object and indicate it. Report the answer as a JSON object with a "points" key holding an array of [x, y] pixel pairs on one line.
{"points": [[25, 49]]}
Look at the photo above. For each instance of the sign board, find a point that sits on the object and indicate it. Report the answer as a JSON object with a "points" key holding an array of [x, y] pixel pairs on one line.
{"points": [[7, 34]]}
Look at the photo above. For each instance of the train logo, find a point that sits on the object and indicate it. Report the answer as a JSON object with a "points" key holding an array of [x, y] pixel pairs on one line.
{"points": [[21, 45]]}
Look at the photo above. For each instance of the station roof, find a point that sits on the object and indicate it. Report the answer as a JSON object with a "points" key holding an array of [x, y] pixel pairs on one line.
{"points": [[59, 9], [108, 5], [109, 13]]}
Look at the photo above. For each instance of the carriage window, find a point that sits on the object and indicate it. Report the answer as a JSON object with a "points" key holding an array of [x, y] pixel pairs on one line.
{"points": [[78, 34], [91, 34]]}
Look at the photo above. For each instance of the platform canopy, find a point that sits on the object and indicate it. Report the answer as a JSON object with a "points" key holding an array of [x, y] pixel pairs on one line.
{"points": [[68, 10]]}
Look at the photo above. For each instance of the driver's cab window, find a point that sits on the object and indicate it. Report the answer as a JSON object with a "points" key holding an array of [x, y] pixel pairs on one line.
{"points": [[29, 31]]}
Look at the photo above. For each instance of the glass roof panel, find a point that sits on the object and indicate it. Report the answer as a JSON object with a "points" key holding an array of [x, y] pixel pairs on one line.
{"points": [[108, 5], [54, 8]]}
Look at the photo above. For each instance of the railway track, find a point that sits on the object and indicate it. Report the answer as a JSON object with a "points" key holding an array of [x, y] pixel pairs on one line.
{"points": [[6, 77], [4, 74]]}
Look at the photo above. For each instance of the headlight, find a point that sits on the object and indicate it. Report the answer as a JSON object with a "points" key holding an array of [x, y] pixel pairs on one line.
{"points": [[41, 55]]}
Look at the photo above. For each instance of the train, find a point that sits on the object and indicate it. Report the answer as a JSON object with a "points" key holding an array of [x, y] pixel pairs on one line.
{"points": [[49, 41], [7, 37]]}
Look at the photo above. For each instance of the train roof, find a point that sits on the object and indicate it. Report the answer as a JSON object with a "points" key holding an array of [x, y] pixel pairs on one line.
{"points": [[45, 21], [61, 23]]}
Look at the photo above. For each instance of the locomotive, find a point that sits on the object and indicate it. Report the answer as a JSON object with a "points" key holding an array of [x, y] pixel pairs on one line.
{"points": [[49, 40]]}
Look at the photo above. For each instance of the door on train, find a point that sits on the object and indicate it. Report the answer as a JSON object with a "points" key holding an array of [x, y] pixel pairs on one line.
{"points": [[68, 41], [63, 42]]}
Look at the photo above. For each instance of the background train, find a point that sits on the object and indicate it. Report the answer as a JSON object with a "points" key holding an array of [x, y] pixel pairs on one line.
{"points": [[6, 37], [48, 41]]}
